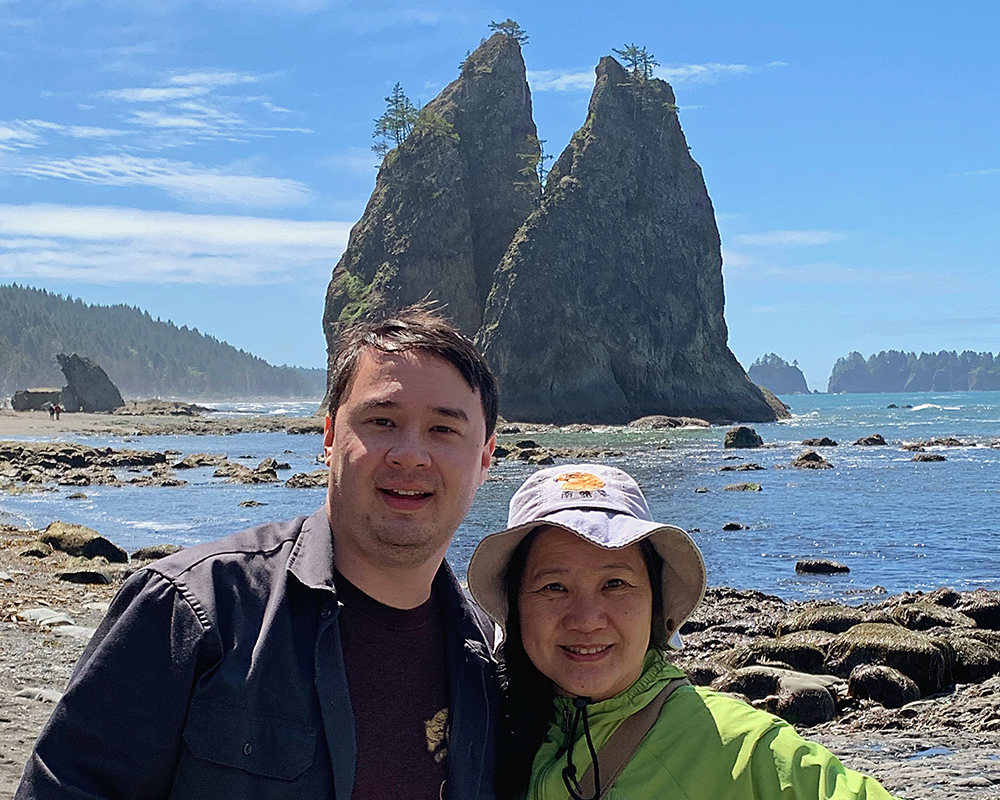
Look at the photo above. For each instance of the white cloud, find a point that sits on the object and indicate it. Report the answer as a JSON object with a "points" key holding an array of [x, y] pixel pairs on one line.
{"points": [[127, 245], [155, 94], [355, 160], [700, 73], [736, 260], [990, 171], [181, 179], [561, 80], [18, 135], [789, 238], [212, 78]]}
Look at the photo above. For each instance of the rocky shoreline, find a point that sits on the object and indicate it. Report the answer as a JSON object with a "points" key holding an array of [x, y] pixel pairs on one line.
{"points": [[943, 745]]}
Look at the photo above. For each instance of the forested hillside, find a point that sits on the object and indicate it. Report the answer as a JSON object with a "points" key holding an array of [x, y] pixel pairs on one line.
{"points": [[894, 371], [143, 356]]}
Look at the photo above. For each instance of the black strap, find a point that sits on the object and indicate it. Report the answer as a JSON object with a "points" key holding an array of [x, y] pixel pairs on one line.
{"points": [[622, 744]]}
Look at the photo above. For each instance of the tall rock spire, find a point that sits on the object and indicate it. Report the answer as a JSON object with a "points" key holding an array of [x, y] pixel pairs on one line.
{"points": [[608, 305], [447, 201]]}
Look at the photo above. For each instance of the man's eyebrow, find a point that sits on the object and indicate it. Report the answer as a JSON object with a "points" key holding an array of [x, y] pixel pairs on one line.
{"points": [[452, 413], [390, 405]]}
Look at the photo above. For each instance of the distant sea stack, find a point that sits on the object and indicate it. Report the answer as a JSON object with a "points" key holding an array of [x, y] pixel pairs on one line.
{"points": [[608, 305], [447, 201], [777, 375]]}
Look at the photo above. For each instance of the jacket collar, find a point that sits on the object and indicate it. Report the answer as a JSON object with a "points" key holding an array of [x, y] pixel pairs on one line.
{"points": [[311, 561]]}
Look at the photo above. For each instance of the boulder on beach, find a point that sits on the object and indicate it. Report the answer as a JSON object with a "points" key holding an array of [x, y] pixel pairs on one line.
{"points": [[983, 606], [825, 441], [743, 487], [742, 437], [795, 654], [308, 480], [927, 660], [928, 457], [34, 399], [830, 618], [79, 540], [924, 615], [887, 686], [88, 387], [155, 552], [977, 653], [810, 459], [750, 466], [875, 440], [799, 698]]}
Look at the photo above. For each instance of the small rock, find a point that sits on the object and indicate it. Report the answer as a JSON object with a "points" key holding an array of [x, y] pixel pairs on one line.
{"points": [[156, 551], [308, 480], [37, 550], [251, 504], [743, 487], [810, 459], [818, 566], [885, 685], [701, 490], [742, 437], [76, 496], [823, 442], [733, 526], [85, 576], [924, 457], [875, 440], [5, 578], [749, 467], [41, 695]]}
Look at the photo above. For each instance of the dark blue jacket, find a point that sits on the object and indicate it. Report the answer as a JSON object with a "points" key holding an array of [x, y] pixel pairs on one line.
{"points": [[218, 673]]}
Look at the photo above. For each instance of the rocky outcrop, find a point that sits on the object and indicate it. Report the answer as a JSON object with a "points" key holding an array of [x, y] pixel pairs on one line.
{"points": [[34, 399], [447, 201], [608, 305], [88, 387], [776, 374]]}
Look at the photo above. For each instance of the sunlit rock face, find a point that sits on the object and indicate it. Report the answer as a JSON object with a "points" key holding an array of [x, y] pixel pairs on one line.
{"points": [[608, 305]]}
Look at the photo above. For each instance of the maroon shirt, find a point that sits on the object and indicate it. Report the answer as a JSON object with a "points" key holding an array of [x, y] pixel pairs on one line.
{"points": [[398, 679]]}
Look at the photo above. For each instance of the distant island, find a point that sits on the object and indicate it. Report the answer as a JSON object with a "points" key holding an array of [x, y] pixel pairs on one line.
{"points": [[143, 356], [777, 375], [895, 371]]}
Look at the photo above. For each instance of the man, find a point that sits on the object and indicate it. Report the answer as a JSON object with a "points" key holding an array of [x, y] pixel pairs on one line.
{"points": [[328, 656]]}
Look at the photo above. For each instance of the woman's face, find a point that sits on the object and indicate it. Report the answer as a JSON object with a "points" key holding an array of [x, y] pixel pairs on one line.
{"points": [[585, 613]]}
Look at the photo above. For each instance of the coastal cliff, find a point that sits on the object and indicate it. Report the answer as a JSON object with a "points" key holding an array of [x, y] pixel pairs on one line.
{"points": [[447, 201], [608, 305]]}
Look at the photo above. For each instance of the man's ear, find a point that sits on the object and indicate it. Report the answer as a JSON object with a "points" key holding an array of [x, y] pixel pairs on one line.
{"points": [[488, 449], [327, 438]]}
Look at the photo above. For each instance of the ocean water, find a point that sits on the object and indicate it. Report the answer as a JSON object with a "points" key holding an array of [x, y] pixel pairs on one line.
{"points": [[898, 525]]}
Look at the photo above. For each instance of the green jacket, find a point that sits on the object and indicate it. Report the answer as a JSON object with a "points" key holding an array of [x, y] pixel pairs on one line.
{"points": [[704, 746]]}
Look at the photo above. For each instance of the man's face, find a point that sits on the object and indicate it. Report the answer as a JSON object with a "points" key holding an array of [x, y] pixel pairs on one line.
{"points": [[407, 450]]}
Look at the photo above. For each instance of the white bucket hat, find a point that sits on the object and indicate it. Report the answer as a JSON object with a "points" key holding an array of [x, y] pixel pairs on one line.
{"points": [[605, 507]]}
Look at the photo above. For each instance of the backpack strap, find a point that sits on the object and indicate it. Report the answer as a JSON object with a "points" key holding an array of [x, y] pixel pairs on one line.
{"points": [[623, 743]]}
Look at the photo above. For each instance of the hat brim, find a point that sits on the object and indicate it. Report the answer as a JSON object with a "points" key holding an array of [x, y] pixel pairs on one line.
{"points": [[684, 580]]}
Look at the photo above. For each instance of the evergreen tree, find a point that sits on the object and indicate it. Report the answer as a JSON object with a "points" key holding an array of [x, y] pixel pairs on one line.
{"points": [[392, 128], [638, 59], [511, 30]]}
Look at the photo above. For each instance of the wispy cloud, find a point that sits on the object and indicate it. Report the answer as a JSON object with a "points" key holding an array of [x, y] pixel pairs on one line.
{"points": [[990, 171], [561, 80], [181, 179], [355, 160], [701, 73], [126, 245], [789, 238], [577, 80]]}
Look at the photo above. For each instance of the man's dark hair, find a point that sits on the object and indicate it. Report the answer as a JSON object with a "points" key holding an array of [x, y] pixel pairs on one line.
{"points": [[417, 327]]}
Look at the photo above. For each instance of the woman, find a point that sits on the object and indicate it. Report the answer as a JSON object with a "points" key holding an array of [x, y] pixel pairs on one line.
{"points": [[591, 592]]}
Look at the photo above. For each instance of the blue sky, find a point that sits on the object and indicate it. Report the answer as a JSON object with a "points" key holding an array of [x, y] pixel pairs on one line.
{"points": [[206, 160]]}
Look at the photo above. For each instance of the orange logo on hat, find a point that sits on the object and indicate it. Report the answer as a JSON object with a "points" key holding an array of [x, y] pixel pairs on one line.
{"points": [[579, 482]]}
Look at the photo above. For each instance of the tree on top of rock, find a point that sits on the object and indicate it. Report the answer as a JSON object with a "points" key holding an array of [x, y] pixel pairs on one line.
{"points": [[396, 123], [637, 59], [510, 29]]}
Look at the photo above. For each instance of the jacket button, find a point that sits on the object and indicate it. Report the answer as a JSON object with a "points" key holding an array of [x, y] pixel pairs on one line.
{"points": [[326, 613], [247, 749]]}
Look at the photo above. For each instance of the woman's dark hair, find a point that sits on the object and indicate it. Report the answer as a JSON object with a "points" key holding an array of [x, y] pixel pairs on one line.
{"points": [[526, 707]]}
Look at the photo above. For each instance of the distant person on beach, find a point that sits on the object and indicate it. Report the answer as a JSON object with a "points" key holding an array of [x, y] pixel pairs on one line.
{"points": [[333, 655], [57, 410], [591, 593], [52, 411]]}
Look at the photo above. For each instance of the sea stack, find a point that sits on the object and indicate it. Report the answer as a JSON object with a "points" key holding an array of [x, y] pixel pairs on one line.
{"points": [[447, 201], [608, 305]]}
